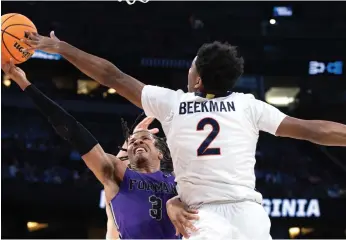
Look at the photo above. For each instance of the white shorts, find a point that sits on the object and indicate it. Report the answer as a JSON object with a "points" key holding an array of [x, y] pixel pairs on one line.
{"points": [[241, 220]]}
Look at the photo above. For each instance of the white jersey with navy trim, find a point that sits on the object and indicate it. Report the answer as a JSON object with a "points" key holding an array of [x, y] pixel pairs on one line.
{"points": [[212, 141]]}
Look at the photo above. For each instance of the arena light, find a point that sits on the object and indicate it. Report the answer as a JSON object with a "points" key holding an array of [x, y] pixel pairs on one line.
{"points": [[7, 82], [86, 86], [34, 226], [280, 101], [305, 231], [272, 21], [111, 91], [282, 11], [281, 96], [294, 232]]}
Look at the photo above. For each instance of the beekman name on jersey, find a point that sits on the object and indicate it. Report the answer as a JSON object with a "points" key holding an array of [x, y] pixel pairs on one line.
{"points": [[207, 106]]}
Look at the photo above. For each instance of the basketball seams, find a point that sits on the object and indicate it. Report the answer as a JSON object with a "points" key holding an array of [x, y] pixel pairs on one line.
{"points": [[9, 18], [12, 36], [17, 24], [2, 40]]}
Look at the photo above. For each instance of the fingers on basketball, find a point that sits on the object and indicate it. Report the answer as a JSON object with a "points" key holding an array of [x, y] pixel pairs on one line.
{"points": [[31, 39]]}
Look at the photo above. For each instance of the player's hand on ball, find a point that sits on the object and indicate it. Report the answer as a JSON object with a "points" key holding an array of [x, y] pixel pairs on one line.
{"points": [[36, 41], [144, 125], [15, 73], [181, 216]]}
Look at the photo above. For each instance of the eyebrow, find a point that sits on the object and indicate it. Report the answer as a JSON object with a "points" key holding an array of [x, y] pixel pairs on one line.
{"points": [[149, 135]]}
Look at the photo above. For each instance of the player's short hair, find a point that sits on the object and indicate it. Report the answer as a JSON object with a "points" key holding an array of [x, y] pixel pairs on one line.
{"points": [[219, 66], [160, 143], [166, 162]]}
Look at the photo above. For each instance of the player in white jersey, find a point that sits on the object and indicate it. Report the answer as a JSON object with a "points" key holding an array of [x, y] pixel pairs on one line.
{"points": [[212, 134]]}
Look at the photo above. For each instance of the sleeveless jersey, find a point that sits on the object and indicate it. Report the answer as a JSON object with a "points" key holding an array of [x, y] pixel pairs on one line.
{"points": [[140, 206], [212, 141]]}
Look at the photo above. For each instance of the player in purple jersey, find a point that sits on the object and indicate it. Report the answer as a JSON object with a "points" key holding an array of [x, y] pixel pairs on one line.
{"points": [[137, 194]]}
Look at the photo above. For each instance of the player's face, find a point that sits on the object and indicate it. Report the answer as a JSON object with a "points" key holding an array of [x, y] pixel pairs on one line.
{"points": [[194, 81], [141, 148]]}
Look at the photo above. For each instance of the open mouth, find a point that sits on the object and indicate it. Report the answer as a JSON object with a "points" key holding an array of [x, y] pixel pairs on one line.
{"points": [[139, 150]]}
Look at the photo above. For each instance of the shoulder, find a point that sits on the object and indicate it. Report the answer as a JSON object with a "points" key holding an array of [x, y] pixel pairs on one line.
{"points": [[248, 100], [244, 96], [150, 89], [244, 100], [170, 177], [166, 175]]}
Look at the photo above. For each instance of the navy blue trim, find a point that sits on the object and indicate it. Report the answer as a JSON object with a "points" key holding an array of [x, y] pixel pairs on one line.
{"points": [[216, 95]]}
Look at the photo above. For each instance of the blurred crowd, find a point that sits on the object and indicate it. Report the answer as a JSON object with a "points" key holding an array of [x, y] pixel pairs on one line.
{"points": [[41, 162], [32, 151], [296, 169]]}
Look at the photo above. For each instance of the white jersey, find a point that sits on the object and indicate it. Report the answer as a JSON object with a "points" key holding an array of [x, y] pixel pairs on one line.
{"points": [[212, 141]]}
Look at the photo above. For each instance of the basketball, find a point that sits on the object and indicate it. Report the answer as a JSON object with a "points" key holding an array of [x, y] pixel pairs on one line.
{"points": [[13, 27]]}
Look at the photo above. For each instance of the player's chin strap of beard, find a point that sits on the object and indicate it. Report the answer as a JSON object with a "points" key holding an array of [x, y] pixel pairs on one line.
{"points": [[64, 124], [213, 94]]}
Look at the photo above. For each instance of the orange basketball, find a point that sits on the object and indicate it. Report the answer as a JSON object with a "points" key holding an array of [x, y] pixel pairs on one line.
{"points": [[13, 27]]}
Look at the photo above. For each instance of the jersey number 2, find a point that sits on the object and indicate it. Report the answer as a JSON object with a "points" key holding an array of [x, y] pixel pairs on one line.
{"points": [[203, 149]]}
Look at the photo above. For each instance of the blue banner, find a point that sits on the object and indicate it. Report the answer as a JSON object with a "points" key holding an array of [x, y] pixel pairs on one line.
{"points": [[46, 56]]}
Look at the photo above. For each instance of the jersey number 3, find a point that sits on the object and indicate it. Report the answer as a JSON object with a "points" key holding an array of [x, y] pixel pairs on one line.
{"points": [[156, 207], [204, 149]]}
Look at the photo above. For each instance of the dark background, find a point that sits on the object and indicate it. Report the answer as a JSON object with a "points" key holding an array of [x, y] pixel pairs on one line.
{"points": [[44, 180]]}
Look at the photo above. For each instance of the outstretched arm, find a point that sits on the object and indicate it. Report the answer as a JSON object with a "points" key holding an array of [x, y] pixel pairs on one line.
{"points": [[317, 131], [105, 167], [97, 68], [271, 120]]}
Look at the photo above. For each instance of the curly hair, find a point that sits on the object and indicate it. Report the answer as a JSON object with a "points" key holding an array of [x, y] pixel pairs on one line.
{"points": [[219, 66], [160, 144]]}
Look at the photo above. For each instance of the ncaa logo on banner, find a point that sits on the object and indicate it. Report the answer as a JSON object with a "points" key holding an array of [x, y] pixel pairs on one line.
{"points": [[316, 68]]}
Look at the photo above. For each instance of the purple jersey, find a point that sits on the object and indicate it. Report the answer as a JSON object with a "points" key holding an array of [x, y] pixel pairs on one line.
{"points": [[140, 205]]}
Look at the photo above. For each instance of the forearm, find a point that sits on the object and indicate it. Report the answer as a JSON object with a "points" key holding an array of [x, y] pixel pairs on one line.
{"points": [[95, 67], [68, 128], [64, 124], [24, 84], [329, 133]]}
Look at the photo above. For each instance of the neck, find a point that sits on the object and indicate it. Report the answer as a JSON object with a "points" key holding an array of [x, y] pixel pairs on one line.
{"points": [[144, 169], [212, 94]]}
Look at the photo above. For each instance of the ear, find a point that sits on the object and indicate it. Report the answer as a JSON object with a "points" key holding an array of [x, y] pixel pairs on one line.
{"points": [[198, 84], [160, 155]]}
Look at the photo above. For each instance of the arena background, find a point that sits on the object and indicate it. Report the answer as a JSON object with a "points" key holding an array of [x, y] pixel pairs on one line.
{"points": [[295, 55]]}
